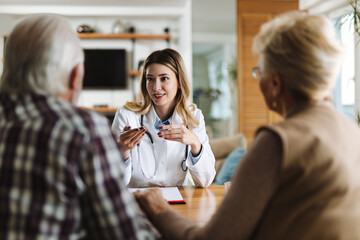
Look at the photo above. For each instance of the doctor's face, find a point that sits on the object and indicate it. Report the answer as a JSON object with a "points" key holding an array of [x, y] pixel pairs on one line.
{"points": [[162, 86]]}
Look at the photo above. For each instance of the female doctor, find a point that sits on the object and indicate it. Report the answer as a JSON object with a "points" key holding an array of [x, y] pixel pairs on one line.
{"points": [[163, 136]]}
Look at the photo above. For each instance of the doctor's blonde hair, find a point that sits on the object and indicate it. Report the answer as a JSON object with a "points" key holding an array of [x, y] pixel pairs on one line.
{"points": [[173, 60]]}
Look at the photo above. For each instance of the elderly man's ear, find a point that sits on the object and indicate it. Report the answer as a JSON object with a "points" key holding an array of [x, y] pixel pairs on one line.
{"points": [[74, 84], [76, 77]]}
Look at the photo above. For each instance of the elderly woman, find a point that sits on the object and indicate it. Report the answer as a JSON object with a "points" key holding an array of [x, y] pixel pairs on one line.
{"points": [[300, 178]]}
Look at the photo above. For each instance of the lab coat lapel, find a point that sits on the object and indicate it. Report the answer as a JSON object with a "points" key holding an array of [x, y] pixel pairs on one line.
{"points": [[159, 143], [150, 121], [176, 119], [175, 148]]}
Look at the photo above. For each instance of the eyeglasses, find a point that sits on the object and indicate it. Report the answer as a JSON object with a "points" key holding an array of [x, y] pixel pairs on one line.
{"points": [[255, 72]]}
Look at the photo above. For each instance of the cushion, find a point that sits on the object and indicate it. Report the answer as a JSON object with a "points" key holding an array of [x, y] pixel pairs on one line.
{"points": [[228, 168], [222, 147]]}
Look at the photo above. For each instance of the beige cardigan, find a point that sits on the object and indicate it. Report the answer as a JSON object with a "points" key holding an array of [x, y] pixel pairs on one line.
{"points": [[318, 196], [299, 180]]}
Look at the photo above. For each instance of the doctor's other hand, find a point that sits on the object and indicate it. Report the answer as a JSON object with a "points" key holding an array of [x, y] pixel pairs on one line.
{"points": [[151, 202], [182, 134], [129, 138]]}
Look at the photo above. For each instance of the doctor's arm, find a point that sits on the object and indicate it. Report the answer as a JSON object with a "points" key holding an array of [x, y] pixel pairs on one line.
{"points": [[203, 170], [120, 123], [127, 136]]}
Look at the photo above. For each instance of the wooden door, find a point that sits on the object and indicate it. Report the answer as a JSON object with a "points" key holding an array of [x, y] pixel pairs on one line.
{"points": [[252, 110]]}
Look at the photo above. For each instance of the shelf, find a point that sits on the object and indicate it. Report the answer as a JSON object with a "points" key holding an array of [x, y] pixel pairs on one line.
{"points": [[120, 36], [134, 73], [123, 36], [101, 109]]}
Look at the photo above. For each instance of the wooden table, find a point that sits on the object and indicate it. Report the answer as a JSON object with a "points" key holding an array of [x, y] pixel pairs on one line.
{"points": [[201, 203]]}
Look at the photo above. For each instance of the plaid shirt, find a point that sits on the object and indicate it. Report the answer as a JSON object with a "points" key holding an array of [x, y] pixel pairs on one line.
{"points": [[61, 174]]}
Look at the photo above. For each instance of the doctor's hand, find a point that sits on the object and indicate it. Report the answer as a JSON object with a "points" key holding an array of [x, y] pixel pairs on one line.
{"points": [[129, 138], [152, 202], [182, 134]]}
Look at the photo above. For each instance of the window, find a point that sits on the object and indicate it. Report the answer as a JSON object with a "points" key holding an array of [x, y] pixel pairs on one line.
{"points": [[344, 92]]}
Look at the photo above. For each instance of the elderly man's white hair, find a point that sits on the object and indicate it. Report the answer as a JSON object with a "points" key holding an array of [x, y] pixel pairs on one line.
{"points": [[40, 54]]}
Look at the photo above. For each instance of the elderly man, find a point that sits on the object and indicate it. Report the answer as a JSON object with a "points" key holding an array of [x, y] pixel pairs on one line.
{"points": [[61, 173]]}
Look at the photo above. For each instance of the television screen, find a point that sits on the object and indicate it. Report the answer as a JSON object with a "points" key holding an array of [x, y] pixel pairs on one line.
{"points": [[105, 69]]}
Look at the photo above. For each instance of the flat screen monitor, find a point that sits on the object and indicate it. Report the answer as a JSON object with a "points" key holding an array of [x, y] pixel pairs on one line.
{"points": [[105, 69]]}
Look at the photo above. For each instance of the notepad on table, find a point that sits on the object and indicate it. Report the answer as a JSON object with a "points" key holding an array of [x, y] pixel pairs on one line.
{"points": [[171, 194]]}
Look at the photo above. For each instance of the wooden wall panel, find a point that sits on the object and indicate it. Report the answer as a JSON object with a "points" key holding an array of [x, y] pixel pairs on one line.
{"points": [[252, 108], [262, 6]]}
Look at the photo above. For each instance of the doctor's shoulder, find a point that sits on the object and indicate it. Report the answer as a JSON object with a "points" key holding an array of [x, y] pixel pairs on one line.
{"points": [[192, 116], [195, 111], [138, 108], [124, 111], [125, 115]]}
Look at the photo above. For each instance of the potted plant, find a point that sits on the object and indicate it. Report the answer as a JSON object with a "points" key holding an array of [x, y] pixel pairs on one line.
{"points": [[354, 18]]}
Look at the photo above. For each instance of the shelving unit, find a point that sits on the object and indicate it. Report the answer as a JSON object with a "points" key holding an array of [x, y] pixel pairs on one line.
{"points": [[149, 20]]}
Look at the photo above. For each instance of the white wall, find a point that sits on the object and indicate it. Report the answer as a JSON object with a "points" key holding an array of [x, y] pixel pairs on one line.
{"points": [[6, 24], [145, 19]]}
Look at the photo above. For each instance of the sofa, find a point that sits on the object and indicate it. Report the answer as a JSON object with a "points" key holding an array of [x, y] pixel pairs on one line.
{"points": [[222, 147]]}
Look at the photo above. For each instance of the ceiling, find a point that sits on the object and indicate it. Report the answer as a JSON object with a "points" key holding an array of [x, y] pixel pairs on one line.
{"points": [[208, 16], [214, 16], [95, 2], [213, 19]]}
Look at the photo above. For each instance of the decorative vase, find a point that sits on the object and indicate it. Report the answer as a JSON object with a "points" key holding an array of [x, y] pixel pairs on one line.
{"points": [[118, 27]]}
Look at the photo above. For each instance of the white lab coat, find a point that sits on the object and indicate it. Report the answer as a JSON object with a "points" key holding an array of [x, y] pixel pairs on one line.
{"points": [[169, 154]]}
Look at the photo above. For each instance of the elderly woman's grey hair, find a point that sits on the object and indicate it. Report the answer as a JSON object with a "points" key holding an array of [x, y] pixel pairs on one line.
{"points": [[40, 54], [305, 51]]}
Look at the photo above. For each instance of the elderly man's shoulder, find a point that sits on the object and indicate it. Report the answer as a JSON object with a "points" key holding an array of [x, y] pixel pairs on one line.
{"points": [[71, 116]]}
